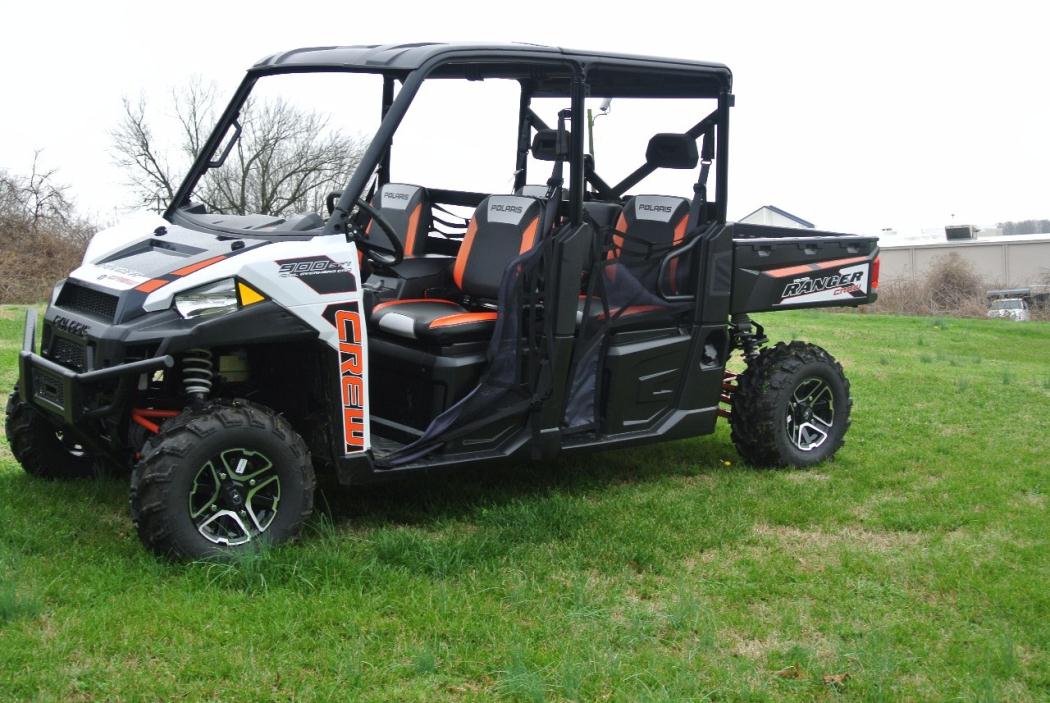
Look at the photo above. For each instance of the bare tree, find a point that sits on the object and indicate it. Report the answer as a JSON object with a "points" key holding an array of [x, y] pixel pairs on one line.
{"points": [[41, 236], [286, 159], [35, 199], [136, 152]]}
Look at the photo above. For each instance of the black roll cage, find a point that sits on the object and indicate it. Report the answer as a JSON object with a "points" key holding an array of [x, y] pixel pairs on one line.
{"points": [[476, 65]]}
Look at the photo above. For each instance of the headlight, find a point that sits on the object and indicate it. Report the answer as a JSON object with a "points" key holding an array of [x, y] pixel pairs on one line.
{"points": [[213, 299]]}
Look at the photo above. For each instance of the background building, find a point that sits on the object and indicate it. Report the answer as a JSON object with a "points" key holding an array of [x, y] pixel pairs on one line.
{"points": [[1001, 260], [772, 215], [1004, 261]]}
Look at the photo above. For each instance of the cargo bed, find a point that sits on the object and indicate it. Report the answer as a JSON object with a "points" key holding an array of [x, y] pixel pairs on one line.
{"points": [[778, 268]]}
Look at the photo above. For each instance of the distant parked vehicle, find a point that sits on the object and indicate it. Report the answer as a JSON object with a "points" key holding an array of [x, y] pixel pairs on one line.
{"points": [[1009, 309]]}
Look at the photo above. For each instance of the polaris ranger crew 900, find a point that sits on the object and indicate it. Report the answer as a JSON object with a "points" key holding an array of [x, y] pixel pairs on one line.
{"points": [[226, 357]]}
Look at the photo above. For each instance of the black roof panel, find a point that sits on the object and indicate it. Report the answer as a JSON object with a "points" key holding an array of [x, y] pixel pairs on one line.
{"points": [[613, 74]]}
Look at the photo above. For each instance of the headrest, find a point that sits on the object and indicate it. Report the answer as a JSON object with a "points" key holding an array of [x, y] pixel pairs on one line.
{"points": [[507, 209], [669, 150], [550, 145], [533, 190], [536, 190], [397, 196]]}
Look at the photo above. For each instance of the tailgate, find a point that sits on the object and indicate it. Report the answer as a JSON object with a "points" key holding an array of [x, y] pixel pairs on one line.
{"points": [[776, 268]]}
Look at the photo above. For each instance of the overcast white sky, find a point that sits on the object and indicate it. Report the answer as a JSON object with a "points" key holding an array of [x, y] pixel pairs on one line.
{"points": [[855, 116]]}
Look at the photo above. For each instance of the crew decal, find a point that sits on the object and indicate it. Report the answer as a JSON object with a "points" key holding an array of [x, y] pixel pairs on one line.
{"points": [[351, 378]]}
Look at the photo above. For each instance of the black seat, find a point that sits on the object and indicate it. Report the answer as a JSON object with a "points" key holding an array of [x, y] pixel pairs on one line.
{"points": [[503, 227], [407, 209], [648, 227]]}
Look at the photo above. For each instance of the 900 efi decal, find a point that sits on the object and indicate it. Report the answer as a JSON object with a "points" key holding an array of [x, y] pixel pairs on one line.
{"points": [[321, 273], [824, 285]]}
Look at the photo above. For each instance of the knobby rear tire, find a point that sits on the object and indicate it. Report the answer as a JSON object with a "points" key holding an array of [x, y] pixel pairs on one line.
{"points": [[762, 404]]}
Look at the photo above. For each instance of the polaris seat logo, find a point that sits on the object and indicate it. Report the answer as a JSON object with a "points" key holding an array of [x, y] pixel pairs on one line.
{"points": [[395, 196], [803, 286], [654, 208], [497, 207]]}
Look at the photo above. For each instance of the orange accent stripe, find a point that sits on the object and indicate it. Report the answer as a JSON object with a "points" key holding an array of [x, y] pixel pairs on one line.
{"points": [[529, 238], [187, 270], [464, 253], [840, 262], [621, 225], [151, 285], [790, 270], [815, 266], [463, 318], [388, 303], [679, 235], [410, 237]]}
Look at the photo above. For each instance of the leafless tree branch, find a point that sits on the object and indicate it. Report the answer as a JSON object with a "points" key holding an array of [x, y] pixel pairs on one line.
{"points": [[286, 160]]}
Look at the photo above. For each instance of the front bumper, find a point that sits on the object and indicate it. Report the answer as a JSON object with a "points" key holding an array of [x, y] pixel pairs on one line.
{"points": [[61, 391]]}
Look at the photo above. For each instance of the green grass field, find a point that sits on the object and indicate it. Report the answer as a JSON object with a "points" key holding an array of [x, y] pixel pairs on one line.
{"points": [[913, 567]]}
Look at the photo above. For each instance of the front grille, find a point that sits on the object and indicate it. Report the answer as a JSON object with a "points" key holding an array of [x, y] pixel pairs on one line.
{"points": [[88, 301], [47, 387], [68, 353]]}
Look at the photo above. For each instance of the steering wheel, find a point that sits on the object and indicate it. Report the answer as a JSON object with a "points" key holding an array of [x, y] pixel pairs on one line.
{"points": [[378, 254]]}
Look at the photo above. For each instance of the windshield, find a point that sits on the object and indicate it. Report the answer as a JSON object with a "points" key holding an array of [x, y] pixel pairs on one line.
{"points": [[1008, 305], [301, 137]]}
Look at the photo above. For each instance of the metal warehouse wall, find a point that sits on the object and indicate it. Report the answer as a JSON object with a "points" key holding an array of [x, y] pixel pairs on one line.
{"points": [[1008, 263]]}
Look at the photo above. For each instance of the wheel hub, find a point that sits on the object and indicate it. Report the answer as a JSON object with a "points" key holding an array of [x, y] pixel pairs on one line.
{"points": [[811, 414], [234, 497]]}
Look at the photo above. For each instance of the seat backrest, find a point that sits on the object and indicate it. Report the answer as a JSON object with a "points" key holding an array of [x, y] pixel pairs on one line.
{"points": [[653, 224], [603, 214], [407, 209], [503, 226]]}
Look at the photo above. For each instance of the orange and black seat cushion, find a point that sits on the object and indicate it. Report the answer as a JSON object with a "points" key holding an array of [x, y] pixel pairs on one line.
{"points": [[503, 227], [407, 209], [651, 226]]}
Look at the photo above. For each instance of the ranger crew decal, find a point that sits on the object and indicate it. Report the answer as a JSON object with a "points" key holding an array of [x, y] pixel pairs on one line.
{"points": [[823, 283]]}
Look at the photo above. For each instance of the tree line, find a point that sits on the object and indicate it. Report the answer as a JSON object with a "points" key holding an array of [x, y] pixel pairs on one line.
{"points": [[1025, 227], [286, 161], [42, 237]]}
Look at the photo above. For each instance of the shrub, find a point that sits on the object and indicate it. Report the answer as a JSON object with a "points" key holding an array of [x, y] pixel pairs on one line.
{"points": [[953, 285], [950, 286], [32, 261], [41, 237]]}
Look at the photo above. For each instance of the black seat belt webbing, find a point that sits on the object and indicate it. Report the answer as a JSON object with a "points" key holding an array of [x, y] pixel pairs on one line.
{"points": [[707, 155]]}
